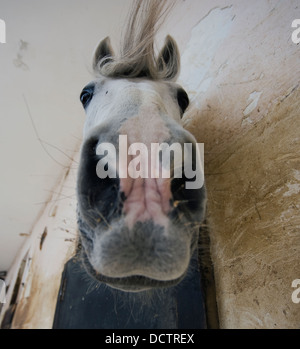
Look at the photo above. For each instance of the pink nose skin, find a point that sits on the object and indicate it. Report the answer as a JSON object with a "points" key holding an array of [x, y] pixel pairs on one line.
{"points": [[146, 199]]}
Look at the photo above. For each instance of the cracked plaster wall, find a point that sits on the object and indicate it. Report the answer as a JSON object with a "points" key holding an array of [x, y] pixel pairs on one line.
{"points": [[241, 70]]}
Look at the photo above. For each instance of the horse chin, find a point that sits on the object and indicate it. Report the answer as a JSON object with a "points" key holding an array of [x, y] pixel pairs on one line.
{"points": [[134, 284]]}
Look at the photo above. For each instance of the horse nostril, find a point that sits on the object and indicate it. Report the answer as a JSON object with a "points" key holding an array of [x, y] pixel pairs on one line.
{"points": [[99, 198], [184, 198], [90, 147], [178, 188], [123, 196]]}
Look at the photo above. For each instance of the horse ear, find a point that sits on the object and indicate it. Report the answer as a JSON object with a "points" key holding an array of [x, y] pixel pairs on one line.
{"points": [[169, 59], [104, 50]]}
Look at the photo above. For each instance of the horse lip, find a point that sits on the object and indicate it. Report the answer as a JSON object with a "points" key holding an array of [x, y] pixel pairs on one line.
{"points": [[138, 283], [135, 283]]}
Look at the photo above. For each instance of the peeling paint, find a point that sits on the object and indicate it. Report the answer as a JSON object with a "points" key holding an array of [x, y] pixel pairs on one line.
{"points": [[265, 240], [43, 237], [47, 253], [296, 174], [294, 189], [252, 100], [18, 62]]}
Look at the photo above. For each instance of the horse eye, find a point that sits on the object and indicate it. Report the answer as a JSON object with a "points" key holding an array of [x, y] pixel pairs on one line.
{"points": [[87, 95], [183, 99]]}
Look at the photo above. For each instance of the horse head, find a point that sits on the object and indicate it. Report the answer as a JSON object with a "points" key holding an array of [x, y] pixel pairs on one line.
{"points": [[138, 226]]}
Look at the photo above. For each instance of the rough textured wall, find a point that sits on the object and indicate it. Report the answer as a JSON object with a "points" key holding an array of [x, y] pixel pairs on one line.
{"points": [[242, 71], [50, 245]]}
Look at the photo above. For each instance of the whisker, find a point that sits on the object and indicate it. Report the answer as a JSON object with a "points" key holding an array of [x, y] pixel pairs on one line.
{"points": [[103, 218], [76, 137], [55, 147], [54, 200], [37, 135]]}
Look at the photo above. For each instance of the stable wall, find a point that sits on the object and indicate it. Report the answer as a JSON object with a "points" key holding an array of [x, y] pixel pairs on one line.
{"points": [[241, 70]]}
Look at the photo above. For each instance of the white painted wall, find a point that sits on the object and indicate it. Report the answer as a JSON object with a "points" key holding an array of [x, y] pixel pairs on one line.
{"points": [[44, 63]]}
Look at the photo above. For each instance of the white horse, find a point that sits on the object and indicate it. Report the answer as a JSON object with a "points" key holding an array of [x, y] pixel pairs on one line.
{"points": [[137, 233]]}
